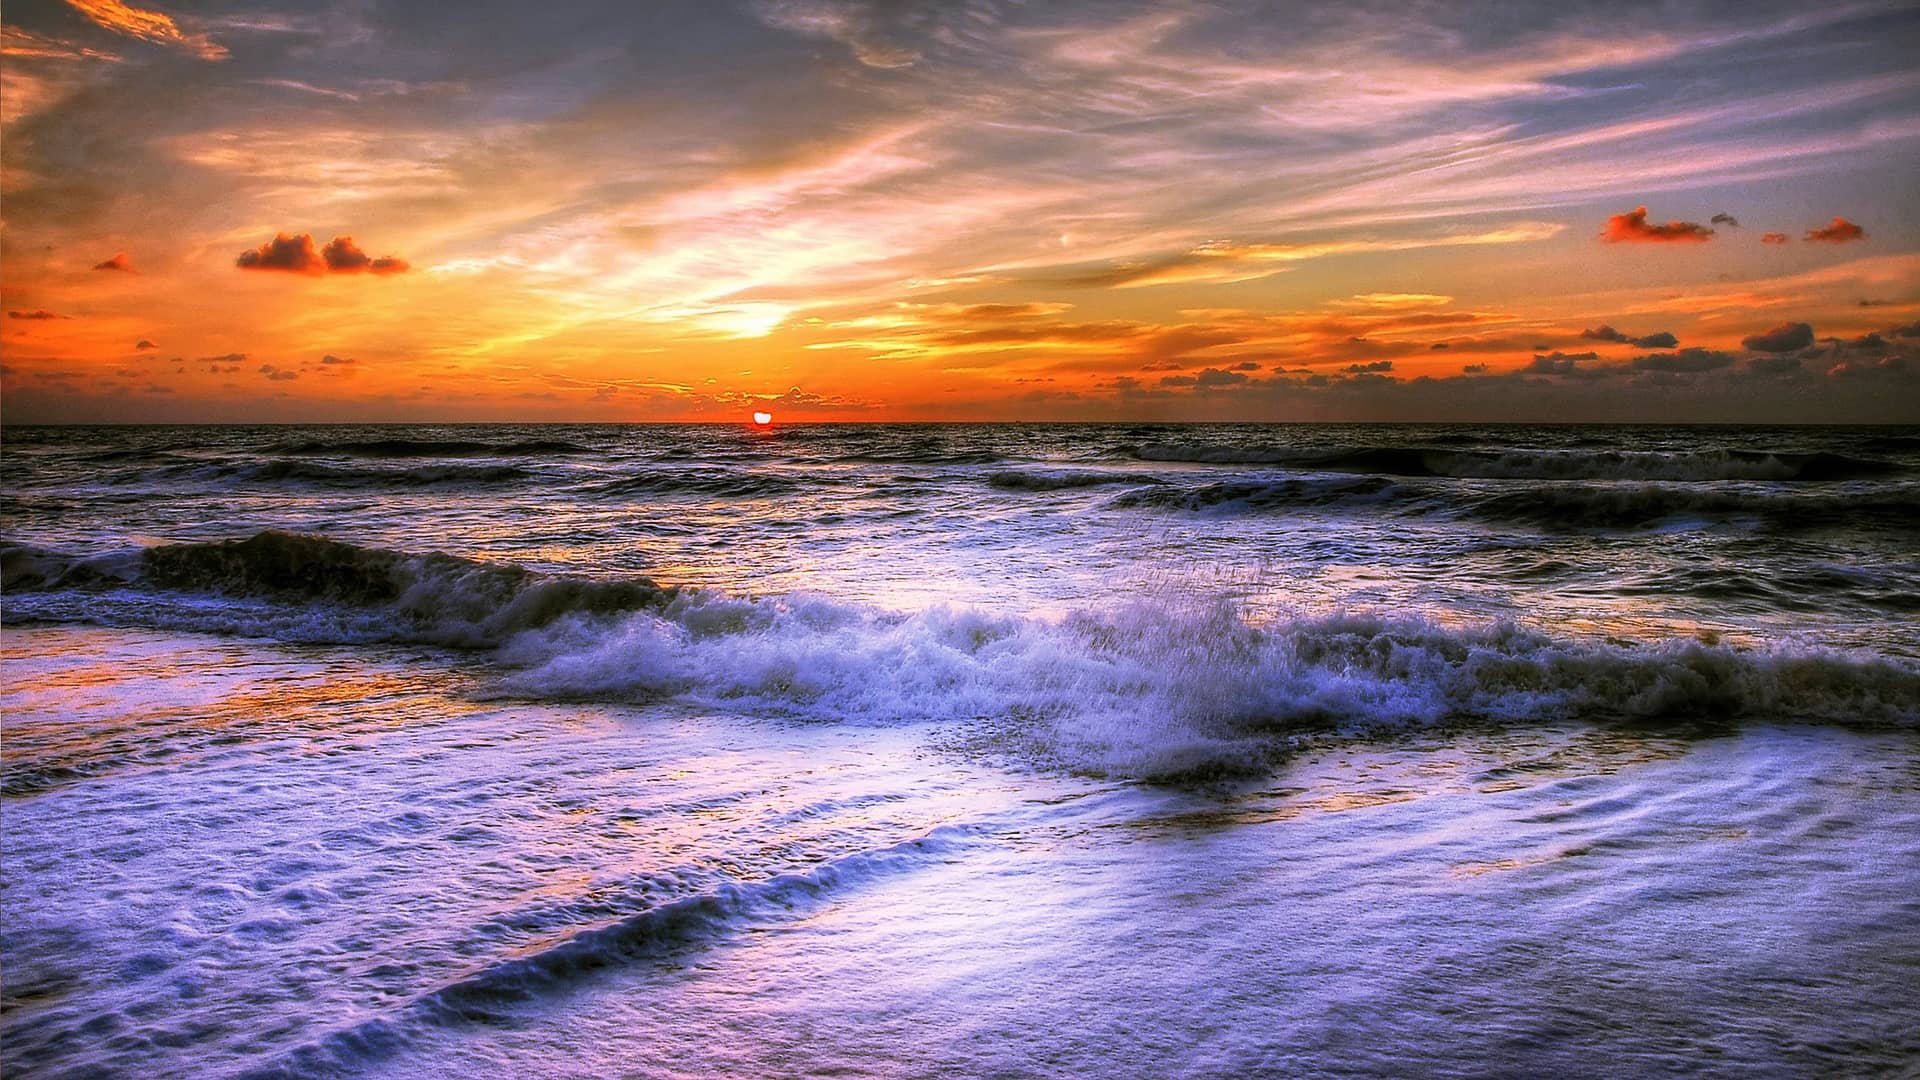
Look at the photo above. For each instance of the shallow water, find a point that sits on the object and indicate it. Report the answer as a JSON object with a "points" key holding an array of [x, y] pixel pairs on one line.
{"points": [[960, 752]]}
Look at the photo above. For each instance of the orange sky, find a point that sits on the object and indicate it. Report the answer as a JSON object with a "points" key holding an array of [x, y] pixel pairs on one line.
{"points": [[979, 211]]}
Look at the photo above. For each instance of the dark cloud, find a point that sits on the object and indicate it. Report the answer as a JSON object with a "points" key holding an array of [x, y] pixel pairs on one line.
{"points": [[37, 314], [278, 374], [1219, 377], [343, 256], [1683, 361], [1837, 231], [332, 359], [1558, 363], [1364, 369], [1911, 330], [1774, 365], [1724, 218], [297, 254], [291, 254], [1246, 365], [1787, 337], [1661, 340], [226, 358], [1633, 227], [1774, 238], [1438, 345], [143, 345], [119, 261], [1473, 369]]}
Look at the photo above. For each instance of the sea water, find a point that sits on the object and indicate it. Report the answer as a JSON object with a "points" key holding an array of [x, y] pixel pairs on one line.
{"points": [[960, 751]]}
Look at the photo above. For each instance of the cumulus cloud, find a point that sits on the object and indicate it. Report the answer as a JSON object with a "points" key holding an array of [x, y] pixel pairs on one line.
{"points": [[1724, 218], [1774, 238], [1661, 340], [343, 256], [292, 254], [1366, 369], [277, 374], [143, 345], [119, 261], [297, 254], [332, 359], [1837, 231], [1473, 369], [37, 315], [1911, 330], [1787, 337], [1633, 227]]}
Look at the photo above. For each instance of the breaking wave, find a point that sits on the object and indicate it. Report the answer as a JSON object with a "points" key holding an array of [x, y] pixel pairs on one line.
{"points": [[1145, 690]]}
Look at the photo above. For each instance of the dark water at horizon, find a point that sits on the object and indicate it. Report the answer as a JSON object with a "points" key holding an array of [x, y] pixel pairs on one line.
{"points": [[968, 750]]}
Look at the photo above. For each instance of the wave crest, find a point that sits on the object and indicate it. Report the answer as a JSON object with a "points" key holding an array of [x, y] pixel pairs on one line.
{"points": [[1143, 690]]}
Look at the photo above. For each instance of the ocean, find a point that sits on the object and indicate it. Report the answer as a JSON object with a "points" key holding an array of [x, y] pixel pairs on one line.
{"points": [[960, 751]]}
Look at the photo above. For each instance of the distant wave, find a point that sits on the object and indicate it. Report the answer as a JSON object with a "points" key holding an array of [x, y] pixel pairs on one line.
{"points": [[427, 448], [1556, 507], [1535, 464], [1617, 506], [1139, 690], [298, 471]]}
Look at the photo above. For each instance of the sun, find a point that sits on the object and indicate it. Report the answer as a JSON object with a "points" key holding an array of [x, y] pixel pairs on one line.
{"points": [[762, 419]]}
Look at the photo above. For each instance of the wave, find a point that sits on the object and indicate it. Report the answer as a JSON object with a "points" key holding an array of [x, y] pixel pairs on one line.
{"points": [[1257, 495], [1033, 480], [306, 588], [1143, 690], [1614, 506], [426, 448], [653, 929], [719, 482], [1536, 464]]}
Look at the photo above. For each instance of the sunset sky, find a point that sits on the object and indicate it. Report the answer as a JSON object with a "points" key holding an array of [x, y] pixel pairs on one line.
{"points": [[960, 211]]}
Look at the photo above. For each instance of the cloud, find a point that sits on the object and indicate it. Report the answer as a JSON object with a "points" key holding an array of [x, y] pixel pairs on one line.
{"points": [[1558, 363], [1774, 365], [1787, 337], [343, 256], [1473, 369], [119, 261], [297, 254], [1774, 238], [292, 254], [1633, 227], [151, 26], [332, 359], [1911, 330], [1838, 231], [277, 374], [1661, 340], [37, 314], [1367, 369], [1686, 360], [143, 345], [1724, 218]]}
